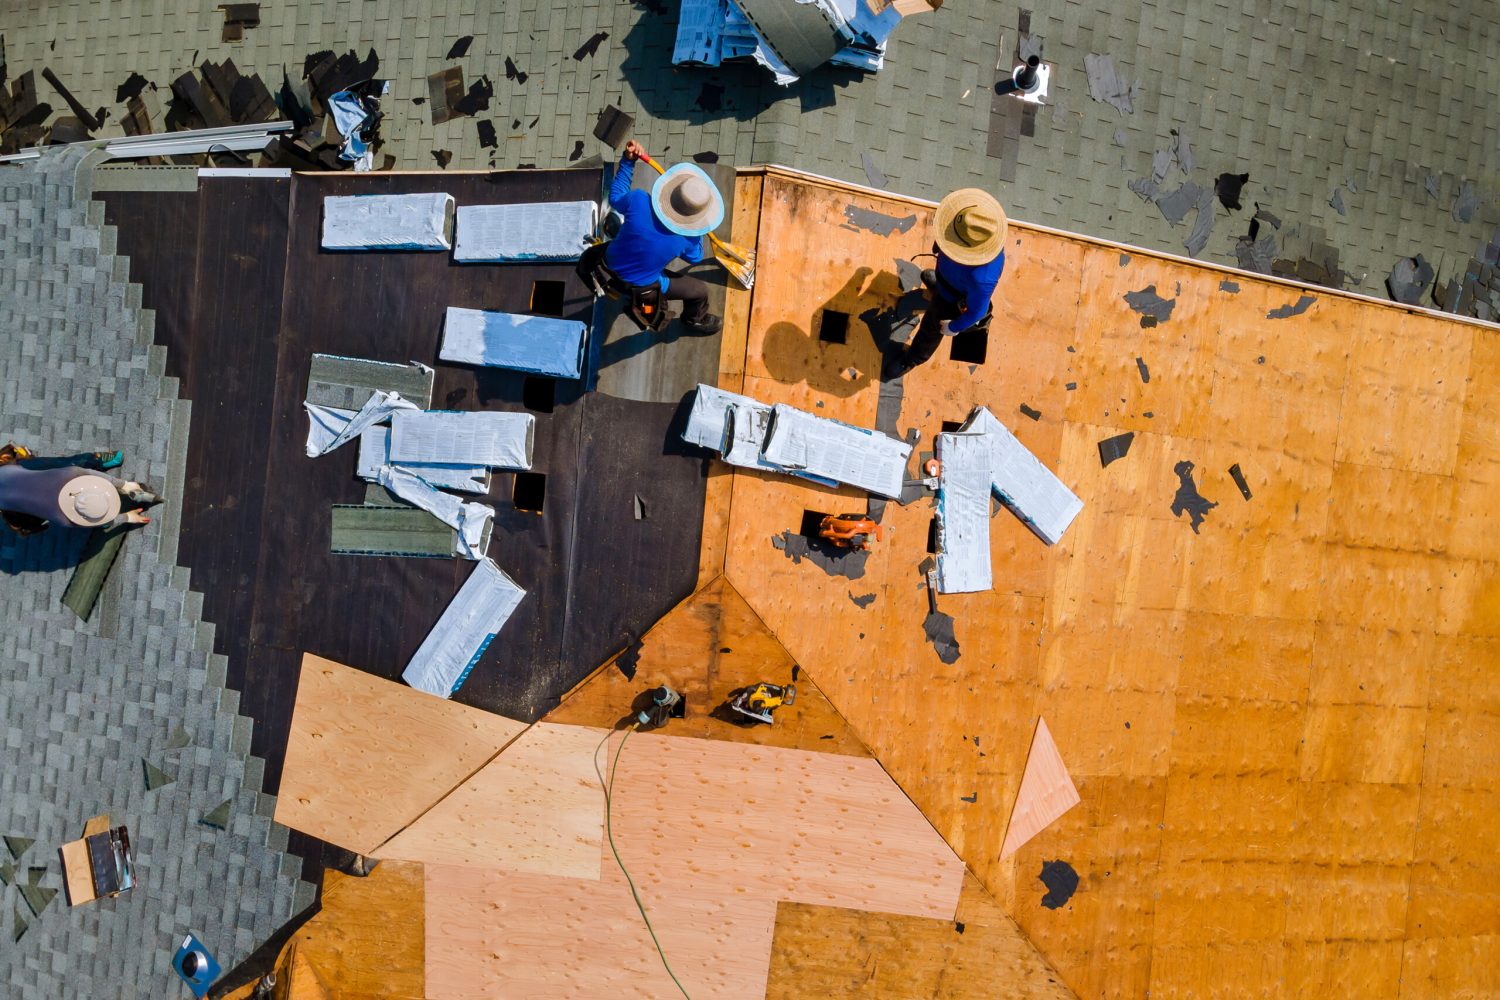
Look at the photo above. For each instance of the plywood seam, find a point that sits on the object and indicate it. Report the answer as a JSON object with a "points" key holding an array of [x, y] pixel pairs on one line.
{"points": [[446, 795]]}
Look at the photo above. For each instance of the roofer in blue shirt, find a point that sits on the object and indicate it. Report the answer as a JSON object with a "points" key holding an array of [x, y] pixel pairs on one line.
{"points": [[971, 229], [659, 227]]}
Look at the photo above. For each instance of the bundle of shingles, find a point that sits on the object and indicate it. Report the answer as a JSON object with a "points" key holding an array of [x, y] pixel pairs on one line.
{"points": [[309, 102], [790, 39]]}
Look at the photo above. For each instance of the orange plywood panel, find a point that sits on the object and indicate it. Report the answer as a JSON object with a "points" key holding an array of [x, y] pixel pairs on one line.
{"points": [[1435, 968], [1343, 968], [1046, 792], [368, 939], [494, 934], [537, 807], [709, 646], [1404, 400], [836, 952], [366, 756], [827, 829], [1276, 668], [1103, 934]]}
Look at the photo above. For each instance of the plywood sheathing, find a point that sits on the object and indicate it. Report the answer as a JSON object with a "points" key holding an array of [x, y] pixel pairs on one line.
{"points": [[707, 647], [369, 938], [822, 951], [535, 808], [493, 934], [366, 756], [1278, 671], [1046, 792]]}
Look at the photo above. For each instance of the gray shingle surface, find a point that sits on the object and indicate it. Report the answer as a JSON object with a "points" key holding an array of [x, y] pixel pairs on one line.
{"points": [[82, 704], [1303, 96]]}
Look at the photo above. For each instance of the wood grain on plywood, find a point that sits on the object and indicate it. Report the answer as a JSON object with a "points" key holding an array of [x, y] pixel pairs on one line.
{"points": [[836, 952], [537, 807], [368, 940], [366, 756], [707, 647], [1046, 792], [508, 934], [828, 829], [1250, 711]]}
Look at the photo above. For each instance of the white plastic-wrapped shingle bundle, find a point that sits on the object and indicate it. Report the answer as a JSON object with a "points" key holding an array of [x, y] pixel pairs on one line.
{"points": [[542, 345], [388, 222], [549, 230]]}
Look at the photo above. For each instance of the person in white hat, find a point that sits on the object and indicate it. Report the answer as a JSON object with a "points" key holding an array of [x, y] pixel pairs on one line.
{"points": [[73, 497], [970, 248], [659, 227]]}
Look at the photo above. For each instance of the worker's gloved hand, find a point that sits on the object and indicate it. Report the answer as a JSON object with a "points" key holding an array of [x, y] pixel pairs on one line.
{"points": [[634, 150]]}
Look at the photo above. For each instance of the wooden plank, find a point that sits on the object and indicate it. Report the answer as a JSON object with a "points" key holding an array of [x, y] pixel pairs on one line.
{"points": [[828, 829], [367, 756], [1046, 792], [78, 875], [369, 938], [837, 952], [96, 824], [535, 808], [707, 647], [524, 935]]}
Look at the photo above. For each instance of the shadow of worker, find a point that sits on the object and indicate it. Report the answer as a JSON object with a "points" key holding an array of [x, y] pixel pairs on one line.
{"points": [[853, 332]]}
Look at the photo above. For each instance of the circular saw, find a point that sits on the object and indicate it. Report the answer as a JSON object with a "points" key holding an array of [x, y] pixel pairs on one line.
{"points": [[759, 700]]}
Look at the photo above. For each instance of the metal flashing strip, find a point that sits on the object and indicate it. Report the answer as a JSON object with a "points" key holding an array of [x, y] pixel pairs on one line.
{"points": [[388, 221], [542, 345], [236, 138], [464, 631], [524, 231], [265, 173], [490, 438]]}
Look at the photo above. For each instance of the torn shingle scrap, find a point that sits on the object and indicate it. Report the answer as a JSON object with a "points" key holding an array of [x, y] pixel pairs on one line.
{"points": [[1107, 86], [591, 46], [1409, 279], [1228, 187]]}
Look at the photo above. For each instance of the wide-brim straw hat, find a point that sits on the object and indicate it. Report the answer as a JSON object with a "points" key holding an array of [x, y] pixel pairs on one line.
{"points": [[686, 200], [89, 501], [970, 226]]}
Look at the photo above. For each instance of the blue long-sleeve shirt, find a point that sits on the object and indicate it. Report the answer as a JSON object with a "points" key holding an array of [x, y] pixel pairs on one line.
{"points": [[644, 246], [975, 284]]}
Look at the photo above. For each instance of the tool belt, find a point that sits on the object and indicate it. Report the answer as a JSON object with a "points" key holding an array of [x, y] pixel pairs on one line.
{"points": [[643, 302]]}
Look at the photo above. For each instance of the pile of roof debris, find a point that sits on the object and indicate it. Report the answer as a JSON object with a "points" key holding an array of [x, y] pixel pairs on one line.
{"points": [[1475, 292], [790, 39], [334, 110]]}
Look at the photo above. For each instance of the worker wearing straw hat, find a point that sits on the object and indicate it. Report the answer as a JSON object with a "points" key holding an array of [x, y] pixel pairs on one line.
{"points": [[668, 223], [970, 243]]}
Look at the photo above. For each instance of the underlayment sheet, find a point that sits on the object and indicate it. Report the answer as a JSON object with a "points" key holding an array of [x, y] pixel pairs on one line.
{"points": [[387, 222], [549, 230], [542, 345], [831, 449], [346, 383], [390, 531], [477, 613], [963, 514], [492, 438], [375, 451]]}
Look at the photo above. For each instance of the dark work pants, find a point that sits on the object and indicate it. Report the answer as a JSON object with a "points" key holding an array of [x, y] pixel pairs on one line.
{"points": [[693, 294]]}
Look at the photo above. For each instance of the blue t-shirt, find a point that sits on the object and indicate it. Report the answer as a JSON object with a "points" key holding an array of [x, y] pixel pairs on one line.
{"points": [[644, 246], [975, 283]]}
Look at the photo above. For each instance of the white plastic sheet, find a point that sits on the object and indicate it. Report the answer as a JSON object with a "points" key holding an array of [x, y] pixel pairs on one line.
{"points": [[464, 631], [375, 452], [330, 427], [387, 221], [549, 230]]}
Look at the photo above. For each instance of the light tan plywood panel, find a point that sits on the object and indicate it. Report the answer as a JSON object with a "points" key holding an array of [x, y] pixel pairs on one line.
{"points": [[537, 807], [366, 756]]}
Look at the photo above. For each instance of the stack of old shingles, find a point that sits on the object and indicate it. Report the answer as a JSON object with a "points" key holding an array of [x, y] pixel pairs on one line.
{"points": [[315, 143], [1476, 291], [218, 97], [22, 116]]}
